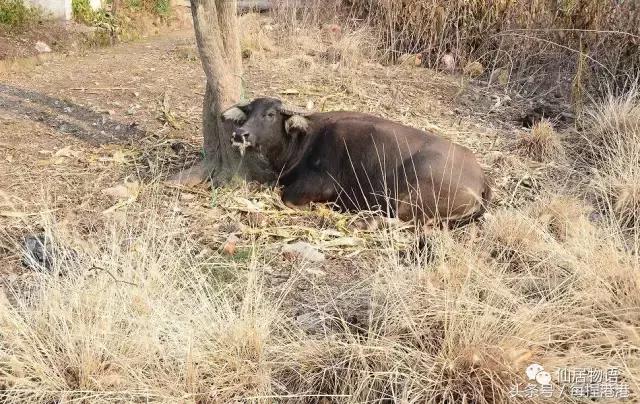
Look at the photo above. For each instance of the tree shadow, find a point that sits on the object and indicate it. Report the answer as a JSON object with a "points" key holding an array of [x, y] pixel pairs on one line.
{"points": [[93, 127]]}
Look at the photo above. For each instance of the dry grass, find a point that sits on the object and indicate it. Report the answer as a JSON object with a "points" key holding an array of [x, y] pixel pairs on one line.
{"points": [[534, 45], [141, 312], [351, 49], [611, 150], [138, 312], [542, 143], [254, 34]]}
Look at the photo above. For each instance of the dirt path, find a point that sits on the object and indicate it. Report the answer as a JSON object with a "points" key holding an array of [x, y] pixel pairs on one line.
{"points": [[95, 104]]}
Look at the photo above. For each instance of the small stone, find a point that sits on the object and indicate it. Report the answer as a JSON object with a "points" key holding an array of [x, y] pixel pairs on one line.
{"points": [[38, 253], [187, 197], [42, 47]]}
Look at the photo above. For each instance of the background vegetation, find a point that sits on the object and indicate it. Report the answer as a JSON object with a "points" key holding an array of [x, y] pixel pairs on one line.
{"points": [[14, 13], [540, 45]]}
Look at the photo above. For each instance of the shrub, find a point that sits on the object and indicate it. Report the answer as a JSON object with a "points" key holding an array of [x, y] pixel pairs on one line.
{"points": [[161, 8], [82, 11], [15, 13]]}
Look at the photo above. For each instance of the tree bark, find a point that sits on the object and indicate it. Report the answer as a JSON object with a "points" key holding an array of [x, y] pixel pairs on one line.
{"points": [[113, 34], [216, 30]]}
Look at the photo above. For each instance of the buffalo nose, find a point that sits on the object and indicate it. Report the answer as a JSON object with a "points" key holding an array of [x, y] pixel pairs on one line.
{"points": [[240, 136]]}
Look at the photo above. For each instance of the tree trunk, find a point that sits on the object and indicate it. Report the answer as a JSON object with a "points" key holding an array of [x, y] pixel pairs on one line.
{"points": [[113, 34], [218, 43]]}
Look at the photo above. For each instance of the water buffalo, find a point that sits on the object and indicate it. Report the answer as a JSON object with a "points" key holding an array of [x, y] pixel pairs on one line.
{"points": [[362, 162]]}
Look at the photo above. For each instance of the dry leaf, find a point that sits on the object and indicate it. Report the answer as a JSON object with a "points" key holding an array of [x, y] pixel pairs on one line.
{"points": [[118, 156], [67, 152], [304, 251], [290, 91], [124, 191], [249, 206], [127, 193], [230, 245]]}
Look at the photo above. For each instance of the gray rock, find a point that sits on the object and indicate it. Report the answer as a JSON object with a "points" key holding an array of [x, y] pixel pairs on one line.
{"points": [[42, 47], [38, 253]]}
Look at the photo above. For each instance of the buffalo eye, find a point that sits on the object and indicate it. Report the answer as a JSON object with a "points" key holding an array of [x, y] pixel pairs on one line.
{"points": [[271, 115], [316, 164]]}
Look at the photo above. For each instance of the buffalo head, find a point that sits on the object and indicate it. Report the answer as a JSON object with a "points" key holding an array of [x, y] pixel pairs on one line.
{"points": [[265, 124]]}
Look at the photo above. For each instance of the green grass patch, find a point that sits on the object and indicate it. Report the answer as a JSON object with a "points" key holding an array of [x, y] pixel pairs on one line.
{"points": [[82, 11]]}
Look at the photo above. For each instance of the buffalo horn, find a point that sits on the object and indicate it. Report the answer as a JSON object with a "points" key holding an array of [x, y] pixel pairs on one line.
{"points": [[291, 110]]}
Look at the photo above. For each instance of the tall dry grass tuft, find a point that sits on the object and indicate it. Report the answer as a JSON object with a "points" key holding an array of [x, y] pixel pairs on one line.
{"points": [[352, 49], [295, 15], [611, 146], [135, 315], [254, 36], [542, 143]]}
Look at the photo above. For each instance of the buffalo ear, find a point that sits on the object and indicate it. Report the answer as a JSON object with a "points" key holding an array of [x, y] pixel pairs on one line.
{"points": [[296, 123], [236, 113]]}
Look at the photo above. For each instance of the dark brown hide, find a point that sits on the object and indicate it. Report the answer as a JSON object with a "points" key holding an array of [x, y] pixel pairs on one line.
{"points": [[363, 162]]}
